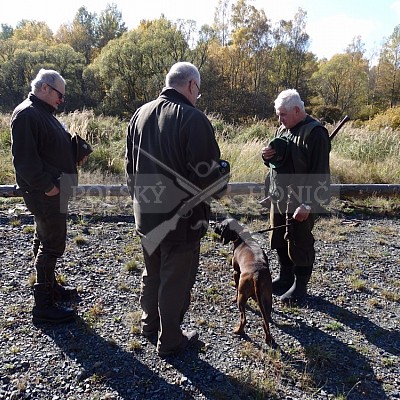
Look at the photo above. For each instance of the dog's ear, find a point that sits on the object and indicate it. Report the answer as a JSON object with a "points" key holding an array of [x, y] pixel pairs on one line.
{"points": [[228, 230], [220, 229], [225, 235]]}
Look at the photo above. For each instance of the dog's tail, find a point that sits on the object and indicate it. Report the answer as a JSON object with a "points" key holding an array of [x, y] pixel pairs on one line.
{"points": [[263, 291]]}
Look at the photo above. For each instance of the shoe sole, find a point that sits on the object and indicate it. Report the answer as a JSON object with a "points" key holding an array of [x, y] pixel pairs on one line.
{"points": [[181, 348], [36, 320]]}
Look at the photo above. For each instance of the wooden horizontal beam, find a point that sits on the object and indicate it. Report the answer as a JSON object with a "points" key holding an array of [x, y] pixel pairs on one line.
{"points": [[234, 189]]}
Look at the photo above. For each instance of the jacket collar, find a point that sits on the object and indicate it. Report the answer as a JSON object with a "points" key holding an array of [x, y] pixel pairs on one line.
{"points": [[173, 95], [34, 99]]}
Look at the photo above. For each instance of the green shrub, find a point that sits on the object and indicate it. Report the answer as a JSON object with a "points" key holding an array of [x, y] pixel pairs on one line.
{"points": [[223, 130], [105, 160], [258, 131], [5, 139], [390, 119], [328, 114], [5, 132]]}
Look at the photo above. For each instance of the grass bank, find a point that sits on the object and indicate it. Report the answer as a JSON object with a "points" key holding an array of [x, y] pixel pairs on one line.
{"points": [[367, 154]]}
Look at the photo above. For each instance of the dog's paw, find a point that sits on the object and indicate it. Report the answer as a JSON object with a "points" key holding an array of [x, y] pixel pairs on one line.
{"points": [[238, 330]]}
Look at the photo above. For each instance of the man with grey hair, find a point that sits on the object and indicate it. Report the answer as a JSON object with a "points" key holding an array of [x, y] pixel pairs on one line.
{"points": [[43, 154], [173, 170], [299, 187]]}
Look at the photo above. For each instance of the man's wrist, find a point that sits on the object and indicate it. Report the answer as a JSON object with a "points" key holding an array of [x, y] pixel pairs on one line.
{"points": [[49, 189]]}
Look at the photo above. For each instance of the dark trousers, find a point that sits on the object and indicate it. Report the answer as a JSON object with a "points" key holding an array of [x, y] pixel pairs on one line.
{"points": [[297, 239], [169, 275], [50, 233]]}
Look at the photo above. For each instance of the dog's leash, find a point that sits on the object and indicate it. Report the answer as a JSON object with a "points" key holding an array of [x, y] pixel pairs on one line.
{"points": [[275, 227]]}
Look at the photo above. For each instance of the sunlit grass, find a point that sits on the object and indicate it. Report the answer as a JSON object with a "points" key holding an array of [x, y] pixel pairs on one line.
{"points": [[359, 154]]}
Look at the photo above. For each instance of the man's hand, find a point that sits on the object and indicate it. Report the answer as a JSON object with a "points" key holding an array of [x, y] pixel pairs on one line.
{"points": [[301, 213], [53, 192], [84, 159], [268, 152]]}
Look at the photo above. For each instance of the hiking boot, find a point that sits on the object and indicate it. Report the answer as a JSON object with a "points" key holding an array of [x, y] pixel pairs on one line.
{"points": [[45, 309], [64, 293], [189, 337]]}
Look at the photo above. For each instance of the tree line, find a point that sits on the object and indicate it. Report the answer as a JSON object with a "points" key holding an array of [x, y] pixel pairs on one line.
{"points": [[244, 60]]}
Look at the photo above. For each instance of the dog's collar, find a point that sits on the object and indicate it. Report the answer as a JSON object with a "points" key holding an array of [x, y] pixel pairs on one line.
{"points": [[237, 241], [242, 237]]}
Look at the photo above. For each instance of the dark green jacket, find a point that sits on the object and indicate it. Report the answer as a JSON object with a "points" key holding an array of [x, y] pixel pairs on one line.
{"points": [[41, 147], [171, 143], [307, 167]]}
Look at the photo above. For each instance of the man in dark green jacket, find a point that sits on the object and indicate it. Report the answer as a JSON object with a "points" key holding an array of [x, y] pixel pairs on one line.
{"points": [[173, 170], [46, 169], [299, 187]]}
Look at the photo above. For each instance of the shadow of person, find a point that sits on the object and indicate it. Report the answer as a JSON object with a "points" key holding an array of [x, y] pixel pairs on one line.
{"points": [[207, 380], [334, 366], [118, 369], [387, 340]]}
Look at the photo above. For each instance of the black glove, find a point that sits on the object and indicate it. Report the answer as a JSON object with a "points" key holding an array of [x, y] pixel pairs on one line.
{"points": [[80, 147]]}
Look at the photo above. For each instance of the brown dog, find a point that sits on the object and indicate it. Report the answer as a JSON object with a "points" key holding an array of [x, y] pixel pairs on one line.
{"points": [[250, 272]]}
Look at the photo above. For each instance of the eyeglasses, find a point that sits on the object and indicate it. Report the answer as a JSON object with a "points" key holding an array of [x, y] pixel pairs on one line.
{"points": [[60, 95], [198, 89]]}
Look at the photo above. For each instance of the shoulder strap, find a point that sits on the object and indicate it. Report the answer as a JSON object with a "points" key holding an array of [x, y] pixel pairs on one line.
{"points": [[308, 128]]}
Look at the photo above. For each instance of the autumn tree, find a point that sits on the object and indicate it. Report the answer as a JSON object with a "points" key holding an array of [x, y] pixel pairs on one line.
{"points": [[131, 70], [256, 60], [34, 31], [242, 63], [109, 26], [6, 31], [289, 54], [387, 83], [81, 34], [22, 59], [221, 23], [342, 81], [90, 32]]}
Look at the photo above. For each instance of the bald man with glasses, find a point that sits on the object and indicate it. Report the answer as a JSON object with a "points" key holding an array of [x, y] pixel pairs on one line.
{"points": [[173, 169]]}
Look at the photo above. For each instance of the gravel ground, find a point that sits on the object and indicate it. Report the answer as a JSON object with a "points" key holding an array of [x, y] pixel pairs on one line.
{"points": [[343, 343]]}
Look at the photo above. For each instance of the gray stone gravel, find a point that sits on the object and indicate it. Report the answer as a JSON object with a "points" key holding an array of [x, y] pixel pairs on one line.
{"points": [[343, 343]]}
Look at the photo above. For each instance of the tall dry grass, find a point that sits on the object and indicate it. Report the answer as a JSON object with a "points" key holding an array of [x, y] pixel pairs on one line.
{"points": [[366, 155], [359, 154], [6, 167]]}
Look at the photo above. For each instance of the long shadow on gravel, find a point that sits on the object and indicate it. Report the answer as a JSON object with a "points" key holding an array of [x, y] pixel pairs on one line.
{"points": [[107, 362], [210, 382], [335, 366], [387, 340]]}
